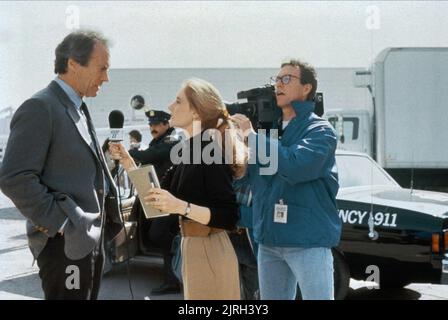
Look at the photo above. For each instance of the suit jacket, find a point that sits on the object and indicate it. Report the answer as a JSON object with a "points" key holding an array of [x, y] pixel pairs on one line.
{"points": [[51, 172]]}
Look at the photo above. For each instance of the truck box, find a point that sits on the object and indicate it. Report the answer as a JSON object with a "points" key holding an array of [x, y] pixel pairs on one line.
{"points": [[410, 88]]}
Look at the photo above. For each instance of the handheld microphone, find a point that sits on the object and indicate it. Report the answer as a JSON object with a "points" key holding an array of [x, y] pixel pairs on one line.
{"points": [[116, 120]]}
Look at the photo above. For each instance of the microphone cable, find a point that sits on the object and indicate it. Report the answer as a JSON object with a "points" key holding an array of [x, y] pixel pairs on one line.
{"points": [[128, 267]]}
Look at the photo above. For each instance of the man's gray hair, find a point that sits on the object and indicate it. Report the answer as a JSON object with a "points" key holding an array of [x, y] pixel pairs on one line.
{"points": [[78, 46]]}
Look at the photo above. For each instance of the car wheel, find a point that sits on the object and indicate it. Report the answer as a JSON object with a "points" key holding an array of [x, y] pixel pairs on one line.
{"points": [[341, 275], [392, 281]]}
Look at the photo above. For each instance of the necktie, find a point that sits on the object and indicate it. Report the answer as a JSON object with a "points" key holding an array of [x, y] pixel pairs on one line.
{"points": [[90, 127], [96, 145], [100, 157]]}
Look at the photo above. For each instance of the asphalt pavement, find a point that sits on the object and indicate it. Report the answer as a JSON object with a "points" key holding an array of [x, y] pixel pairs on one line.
{"points": [[19, 279]]}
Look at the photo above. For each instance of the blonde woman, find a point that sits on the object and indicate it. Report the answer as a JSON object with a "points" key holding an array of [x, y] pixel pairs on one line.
{"points": [[201, 192]]}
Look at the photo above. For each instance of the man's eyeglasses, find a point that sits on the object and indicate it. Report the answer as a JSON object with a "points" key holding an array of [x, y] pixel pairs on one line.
{"points": [[284, 79]]}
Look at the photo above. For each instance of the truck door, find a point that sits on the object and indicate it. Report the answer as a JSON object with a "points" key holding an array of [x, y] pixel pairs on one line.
{"points": [[348, 132]]}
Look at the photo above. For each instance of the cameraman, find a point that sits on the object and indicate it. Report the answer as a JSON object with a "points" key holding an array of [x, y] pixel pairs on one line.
{"points": [[295, 217]]}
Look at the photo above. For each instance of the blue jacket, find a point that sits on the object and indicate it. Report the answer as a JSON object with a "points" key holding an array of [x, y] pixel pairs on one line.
{"points": [[306, 180]]}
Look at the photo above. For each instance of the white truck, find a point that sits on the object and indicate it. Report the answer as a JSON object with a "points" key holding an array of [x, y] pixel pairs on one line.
{"points": [[406, 130]]}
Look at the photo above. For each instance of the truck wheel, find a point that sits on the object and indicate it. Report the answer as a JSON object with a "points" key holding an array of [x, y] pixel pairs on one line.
{"points": [[341, 275]]}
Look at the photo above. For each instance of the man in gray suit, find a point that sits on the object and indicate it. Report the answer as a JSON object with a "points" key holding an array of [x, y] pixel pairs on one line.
{"points": [[55, 173]]}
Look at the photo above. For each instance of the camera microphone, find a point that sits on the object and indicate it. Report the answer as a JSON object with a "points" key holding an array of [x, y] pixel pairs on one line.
{"points": [[116, 120]]}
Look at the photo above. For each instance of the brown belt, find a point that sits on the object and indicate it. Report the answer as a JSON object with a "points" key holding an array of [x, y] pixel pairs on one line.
{"points": [[190, 228]]}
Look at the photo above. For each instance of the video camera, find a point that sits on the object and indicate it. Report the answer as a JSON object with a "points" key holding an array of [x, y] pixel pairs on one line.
{"points": [[261, 106]]}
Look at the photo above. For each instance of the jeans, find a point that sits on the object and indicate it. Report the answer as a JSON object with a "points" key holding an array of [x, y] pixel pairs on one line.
{"points": [[281, 268]]}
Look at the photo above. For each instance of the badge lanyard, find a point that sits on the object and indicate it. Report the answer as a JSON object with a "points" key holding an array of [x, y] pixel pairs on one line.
{"points": [[281, 212]]}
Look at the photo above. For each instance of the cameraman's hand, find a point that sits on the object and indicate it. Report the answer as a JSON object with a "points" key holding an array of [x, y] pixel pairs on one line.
{"points": [[243, 123], [119, 152]]}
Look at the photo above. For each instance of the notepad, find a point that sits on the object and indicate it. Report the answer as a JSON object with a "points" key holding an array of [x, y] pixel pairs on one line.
{"points": [[143, 179]]}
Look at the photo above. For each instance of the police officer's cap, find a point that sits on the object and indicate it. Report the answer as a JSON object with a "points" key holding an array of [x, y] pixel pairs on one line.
{"points": [[157, 116]]}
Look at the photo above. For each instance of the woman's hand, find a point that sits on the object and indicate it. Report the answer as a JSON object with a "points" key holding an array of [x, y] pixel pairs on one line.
{"points": [[243, 123], [165, 201], [119, 152]]}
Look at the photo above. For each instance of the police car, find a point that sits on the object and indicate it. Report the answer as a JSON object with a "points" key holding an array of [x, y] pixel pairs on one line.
{"points": [[392, 235]]}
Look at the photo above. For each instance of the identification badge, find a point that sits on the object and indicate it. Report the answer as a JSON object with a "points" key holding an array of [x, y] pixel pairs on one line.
{"points": [[281, 212]]}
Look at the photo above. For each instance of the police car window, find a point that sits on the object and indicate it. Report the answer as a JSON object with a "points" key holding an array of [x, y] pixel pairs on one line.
{"points": [[355, 171]]}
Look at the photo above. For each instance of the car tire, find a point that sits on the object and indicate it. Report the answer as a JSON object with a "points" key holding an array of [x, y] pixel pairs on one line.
{"points": [[392, 281], [341, 275]]}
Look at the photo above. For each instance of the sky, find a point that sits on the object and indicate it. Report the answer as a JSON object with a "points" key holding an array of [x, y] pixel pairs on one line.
{"points": [[211, 34]]}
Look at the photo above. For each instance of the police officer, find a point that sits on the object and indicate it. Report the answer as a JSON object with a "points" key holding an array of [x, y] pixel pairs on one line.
{"points": [[161, 230], [163, 139]]}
